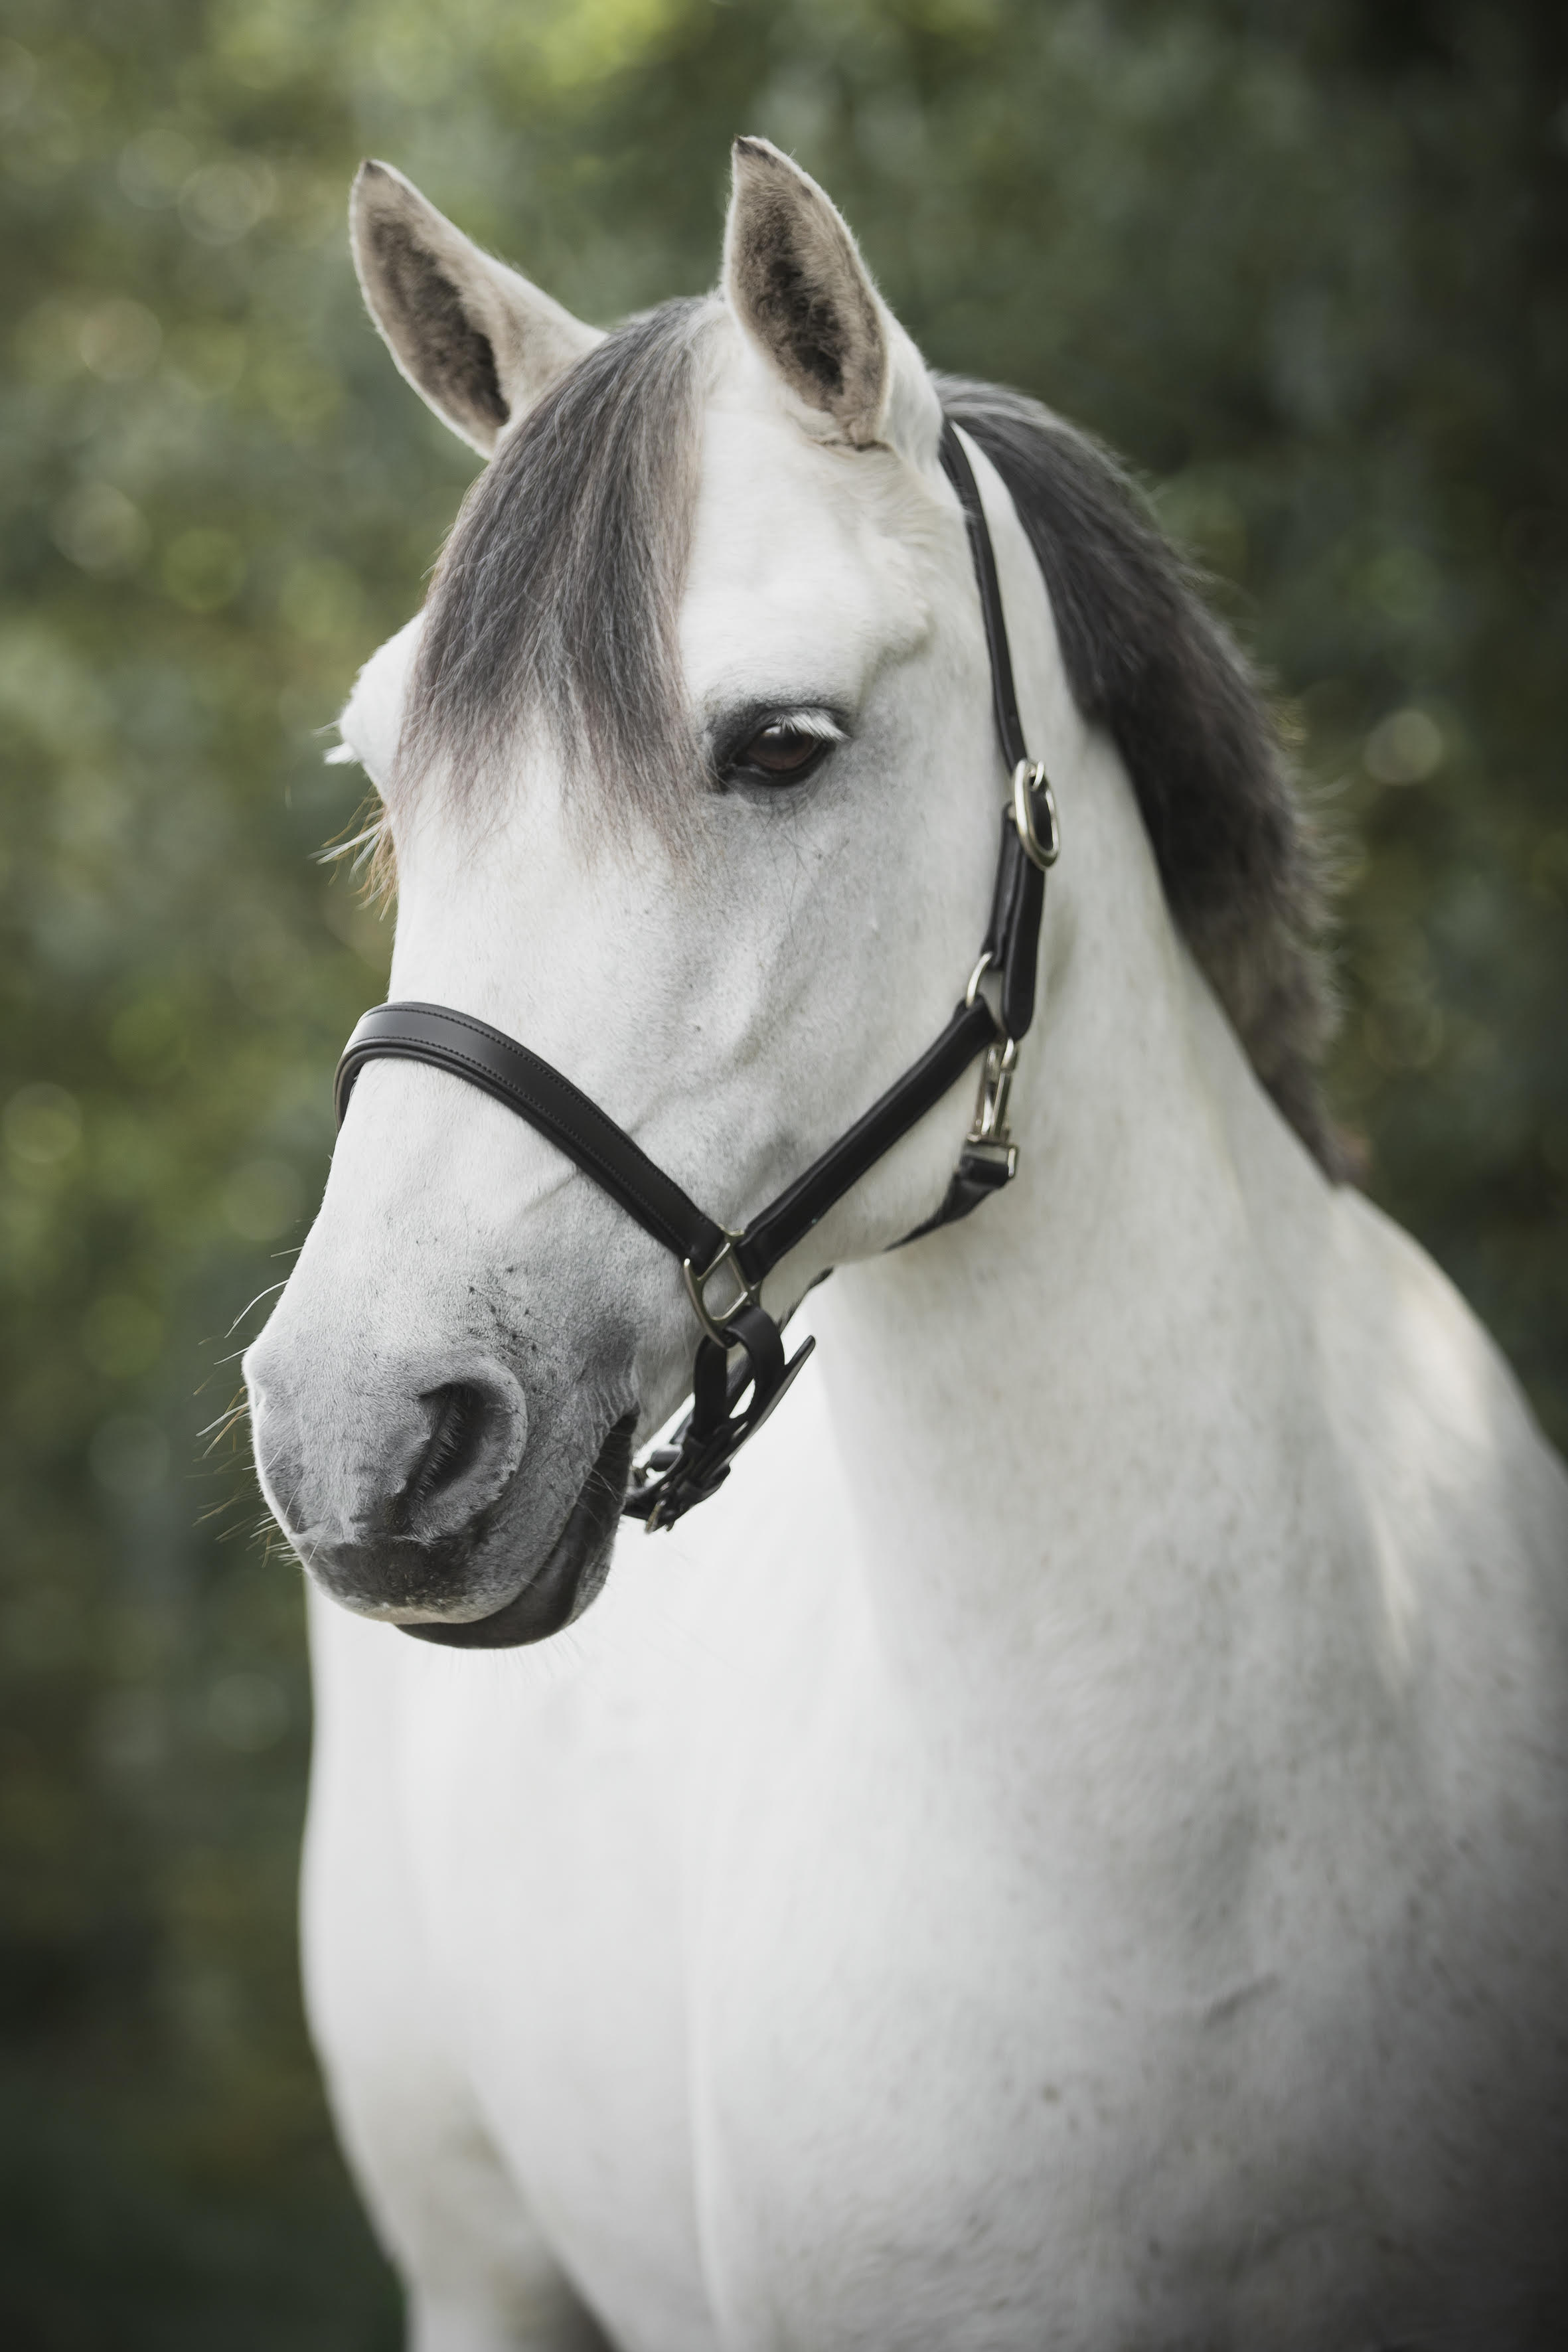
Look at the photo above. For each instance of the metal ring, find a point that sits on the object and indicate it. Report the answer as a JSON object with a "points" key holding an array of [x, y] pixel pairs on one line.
{"points": [[1030, 778], [972, 990], [697, 1286]]}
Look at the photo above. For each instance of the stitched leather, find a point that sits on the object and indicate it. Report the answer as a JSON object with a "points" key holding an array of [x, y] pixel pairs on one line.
{"points": [[498, 1066], [1013, 938], [774, 1232], [1020, 942], [955, 465]]}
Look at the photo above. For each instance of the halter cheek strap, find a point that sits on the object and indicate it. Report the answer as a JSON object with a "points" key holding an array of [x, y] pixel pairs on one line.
{"points": [[739, 1370]]}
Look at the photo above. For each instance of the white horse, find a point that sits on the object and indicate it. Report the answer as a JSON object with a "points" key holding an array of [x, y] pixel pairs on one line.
{"points": [[1067, 1849]]}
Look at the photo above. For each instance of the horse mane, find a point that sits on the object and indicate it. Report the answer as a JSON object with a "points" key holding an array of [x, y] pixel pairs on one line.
{"points": [[1148, 661], [559, 594]]}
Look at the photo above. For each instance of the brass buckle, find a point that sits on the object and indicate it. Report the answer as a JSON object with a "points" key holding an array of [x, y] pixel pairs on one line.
{"points": [[1029, 782], [697, 1290]]}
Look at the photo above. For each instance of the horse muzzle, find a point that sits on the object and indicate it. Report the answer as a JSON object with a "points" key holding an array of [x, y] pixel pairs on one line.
{"points": [[424, 1499]]}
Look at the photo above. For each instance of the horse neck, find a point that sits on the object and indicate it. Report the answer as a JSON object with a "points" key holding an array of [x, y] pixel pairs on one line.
{"points": [[1078, 1430]]}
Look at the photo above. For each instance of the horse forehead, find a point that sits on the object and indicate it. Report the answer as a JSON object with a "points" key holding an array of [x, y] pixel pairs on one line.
{"points": [[798, 569]]}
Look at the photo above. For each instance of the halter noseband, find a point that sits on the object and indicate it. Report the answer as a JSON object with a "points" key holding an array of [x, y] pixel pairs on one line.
{"points": [[675, 1477]]}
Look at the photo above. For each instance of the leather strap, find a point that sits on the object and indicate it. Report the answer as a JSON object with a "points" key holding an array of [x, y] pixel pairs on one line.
{"points": [[1020, 903], [972, 1182], [1014, 936], [955, 465], [774, 1234], [487, 1058]]}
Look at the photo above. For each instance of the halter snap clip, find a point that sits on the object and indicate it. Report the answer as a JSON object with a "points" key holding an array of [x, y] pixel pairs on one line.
{"points": [[990, 1138]]}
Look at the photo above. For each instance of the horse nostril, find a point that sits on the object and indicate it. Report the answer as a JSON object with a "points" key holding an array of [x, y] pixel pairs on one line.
{"points": [[457, 1441]]}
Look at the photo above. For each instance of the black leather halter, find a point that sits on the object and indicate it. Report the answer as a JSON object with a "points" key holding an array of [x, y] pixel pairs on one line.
{"points": [[731, 1399]]}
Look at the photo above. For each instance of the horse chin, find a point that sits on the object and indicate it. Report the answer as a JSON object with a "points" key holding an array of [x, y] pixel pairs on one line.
{"points": [[574, 1568]]}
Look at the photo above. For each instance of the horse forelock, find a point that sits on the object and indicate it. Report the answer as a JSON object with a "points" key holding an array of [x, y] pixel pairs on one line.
{"points": [[557, 596]]}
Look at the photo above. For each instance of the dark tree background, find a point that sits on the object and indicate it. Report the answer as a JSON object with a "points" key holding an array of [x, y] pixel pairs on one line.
{"points": [[1305, 261]]}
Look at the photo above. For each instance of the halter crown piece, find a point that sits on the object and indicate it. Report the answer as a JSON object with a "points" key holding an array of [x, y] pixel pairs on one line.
{"points": [[740, 1372]]}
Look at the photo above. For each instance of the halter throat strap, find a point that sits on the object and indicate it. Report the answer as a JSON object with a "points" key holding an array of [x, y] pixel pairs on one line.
{"points": [[739, 1370]]}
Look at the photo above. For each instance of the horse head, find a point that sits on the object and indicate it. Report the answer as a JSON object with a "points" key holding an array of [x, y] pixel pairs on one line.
{"points": [[688, 773]]}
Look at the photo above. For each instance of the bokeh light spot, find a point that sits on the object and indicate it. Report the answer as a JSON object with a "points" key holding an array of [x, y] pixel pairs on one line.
{"points": [[120, 340], [155, 167], [1406, 747], [202, 570], [223, 201], [100, 530], [43, 1125]]}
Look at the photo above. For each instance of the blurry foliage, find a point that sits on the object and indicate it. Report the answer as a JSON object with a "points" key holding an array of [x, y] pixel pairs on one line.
{"points": [[1305, 261]]}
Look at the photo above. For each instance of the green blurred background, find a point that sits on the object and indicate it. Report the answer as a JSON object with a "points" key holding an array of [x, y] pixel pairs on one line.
{"points": [[1304, 261]]}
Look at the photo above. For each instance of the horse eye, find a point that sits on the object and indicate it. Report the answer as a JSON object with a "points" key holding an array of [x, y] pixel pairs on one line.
{"points": [[782, 750]]}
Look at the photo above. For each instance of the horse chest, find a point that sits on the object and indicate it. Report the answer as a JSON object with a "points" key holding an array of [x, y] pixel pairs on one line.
{"points": [[792, 2040], [772, 2025], [929, 2110]]}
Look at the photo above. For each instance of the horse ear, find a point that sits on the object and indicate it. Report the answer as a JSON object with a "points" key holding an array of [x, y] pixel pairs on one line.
{"points": [[795, 279], [476, 340]]}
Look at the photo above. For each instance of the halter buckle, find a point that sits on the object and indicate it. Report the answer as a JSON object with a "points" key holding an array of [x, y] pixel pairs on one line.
{"points": [[1032, 795], [675, 1477], [715, 1326]]}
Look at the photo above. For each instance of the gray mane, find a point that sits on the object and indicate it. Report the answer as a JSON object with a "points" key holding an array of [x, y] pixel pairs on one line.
{"points": [[1147, 661], [559, 594]]}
